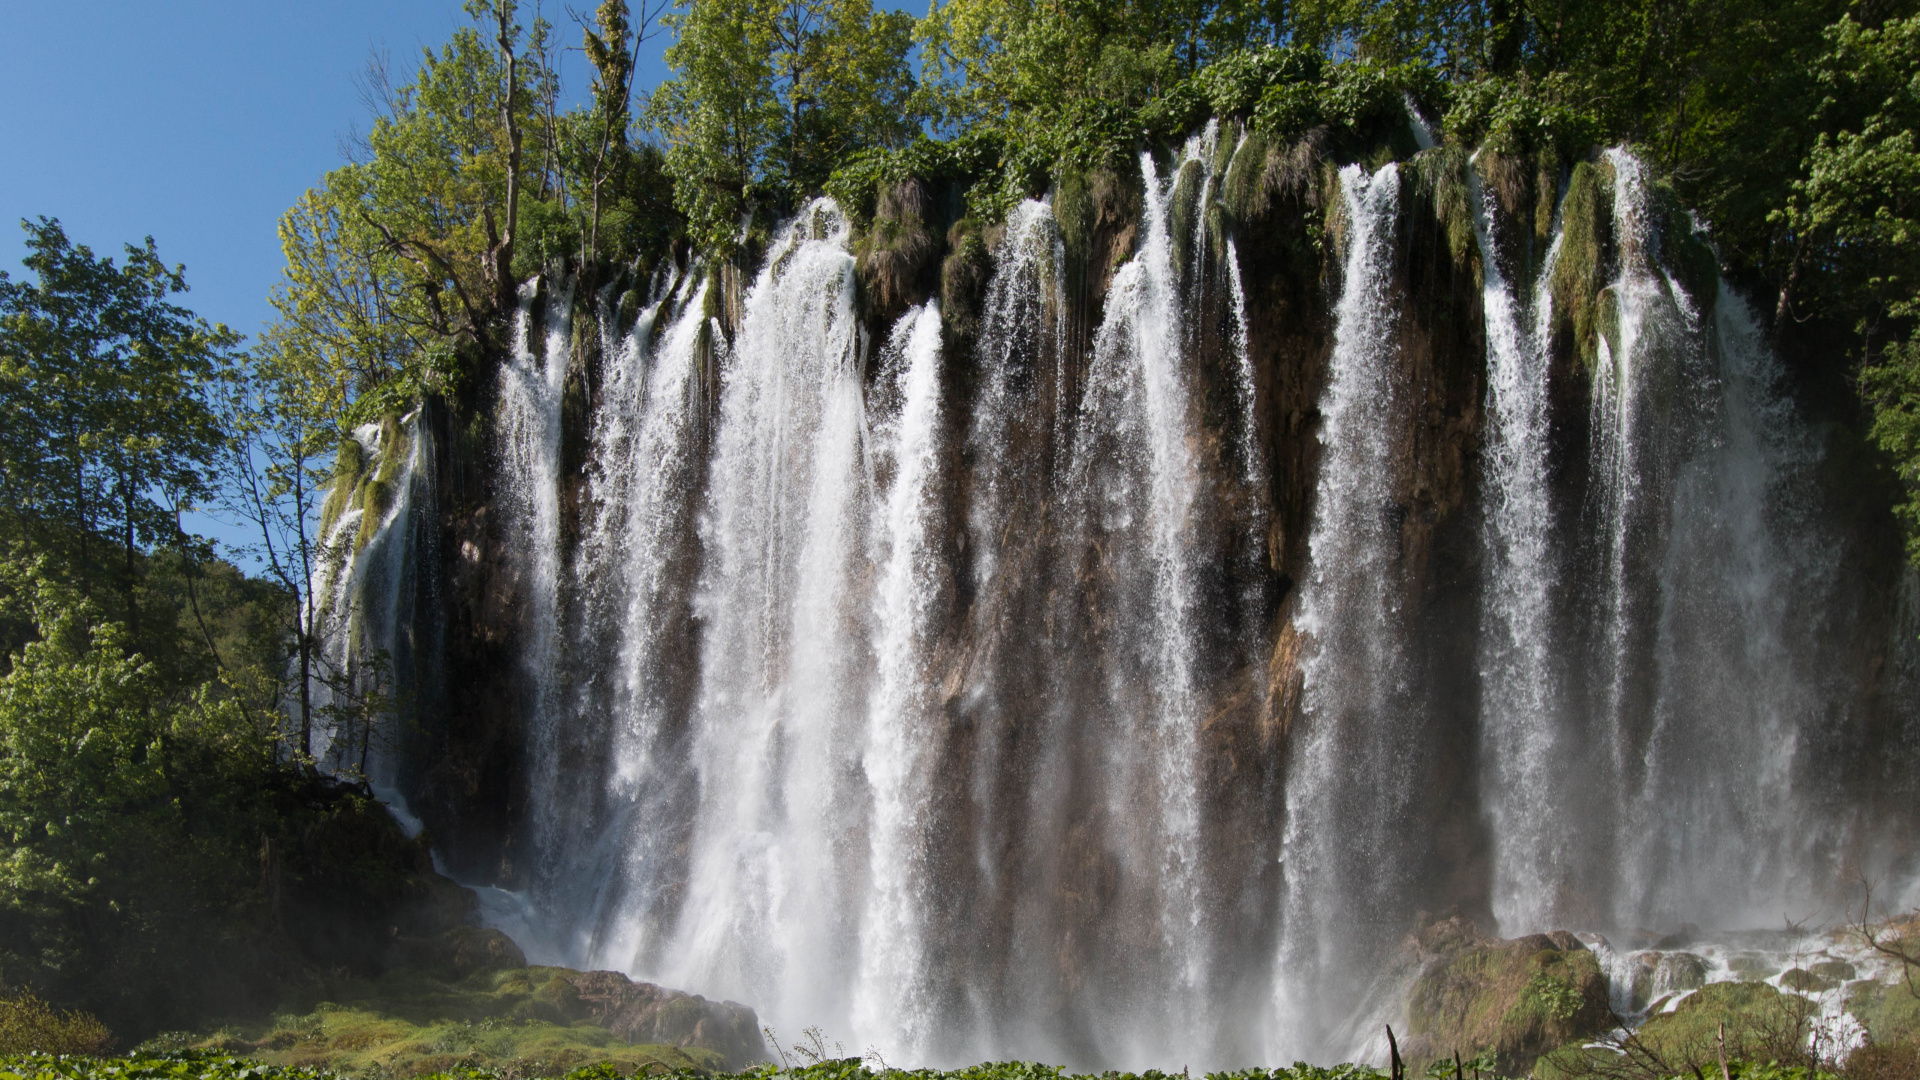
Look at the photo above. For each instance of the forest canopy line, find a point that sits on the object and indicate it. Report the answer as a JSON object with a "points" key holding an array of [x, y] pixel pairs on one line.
{"points": [[1787, 126]]}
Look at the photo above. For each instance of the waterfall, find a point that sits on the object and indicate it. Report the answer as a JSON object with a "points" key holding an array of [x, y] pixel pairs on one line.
{"points": [[1350, 775], [773, 879], [1015, 345], [1133, 467], [1528, 767], [1253, 461], [1721, 829], [960, 691], [635, 584], [891, 997], [364, 581], [1010, 692], [531, 388]]}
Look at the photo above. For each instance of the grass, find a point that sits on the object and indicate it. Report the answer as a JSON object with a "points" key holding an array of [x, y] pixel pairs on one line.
{"points": [[510, 1024]]}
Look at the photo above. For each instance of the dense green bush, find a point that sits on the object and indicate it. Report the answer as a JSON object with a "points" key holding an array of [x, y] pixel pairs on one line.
{"points": [[29, 1025]]}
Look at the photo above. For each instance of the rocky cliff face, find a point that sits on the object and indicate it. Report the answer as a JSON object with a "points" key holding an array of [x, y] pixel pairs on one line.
{"points": [[1127, 735]]}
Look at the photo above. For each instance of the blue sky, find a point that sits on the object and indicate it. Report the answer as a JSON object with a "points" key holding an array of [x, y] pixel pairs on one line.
{"points": [[199, 121]]}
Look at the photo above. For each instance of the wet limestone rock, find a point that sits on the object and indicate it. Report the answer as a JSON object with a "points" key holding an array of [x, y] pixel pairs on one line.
{"points": [[1516, 999], [1760, 1024], [459, 953], [1657, 976], [643, 1013]]}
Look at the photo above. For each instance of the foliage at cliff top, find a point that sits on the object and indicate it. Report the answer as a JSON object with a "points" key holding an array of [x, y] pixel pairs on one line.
{"points": [[1786, 124]]}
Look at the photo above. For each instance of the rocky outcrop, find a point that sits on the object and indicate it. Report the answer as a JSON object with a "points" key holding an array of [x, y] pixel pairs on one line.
{"points": [[654, 1015], [349, 887], [1516, 1000]]}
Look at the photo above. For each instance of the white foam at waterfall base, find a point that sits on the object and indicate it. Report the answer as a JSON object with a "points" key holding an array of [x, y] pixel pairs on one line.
{"points": [[1646, 982], [1340, 855]]}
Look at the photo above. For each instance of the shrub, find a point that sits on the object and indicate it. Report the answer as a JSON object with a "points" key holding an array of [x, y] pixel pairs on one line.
{"points": [[29, 1025]]}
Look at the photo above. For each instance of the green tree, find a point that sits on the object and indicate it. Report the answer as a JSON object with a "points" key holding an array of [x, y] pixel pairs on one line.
{"points": [[285, 416], [1857, 213], [108, 429], [408, 253], [768, 98], [612, 45]]}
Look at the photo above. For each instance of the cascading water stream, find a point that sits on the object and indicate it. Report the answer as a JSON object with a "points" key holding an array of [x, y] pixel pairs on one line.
{"points": [[1721, 828], [1348, 778], [531, 390], [891, 997], [771, 909], [1133, 468], [1528, 782], [364, 580], [644, 473]]}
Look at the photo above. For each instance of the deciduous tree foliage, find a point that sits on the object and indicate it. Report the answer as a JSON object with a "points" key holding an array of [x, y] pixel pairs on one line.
{"points": [[768, 98], [106, 428]]}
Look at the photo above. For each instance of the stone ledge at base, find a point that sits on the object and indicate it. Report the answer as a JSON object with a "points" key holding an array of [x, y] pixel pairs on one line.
{"points": [[644, 1013]]}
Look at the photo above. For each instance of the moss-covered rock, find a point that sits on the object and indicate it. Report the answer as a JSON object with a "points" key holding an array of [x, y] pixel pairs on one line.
{"points": [[360, 1041], [1752, 968], [1891, 1014], [1581, 270], [896, 255], [1759, 1023], [502, 1015], [1804, 981], [1837, 970], [1514, 999]]}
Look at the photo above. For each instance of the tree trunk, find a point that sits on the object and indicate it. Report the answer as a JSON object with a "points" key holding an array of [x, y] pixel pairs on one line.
{"points": [[503, 282], [129, 570]]}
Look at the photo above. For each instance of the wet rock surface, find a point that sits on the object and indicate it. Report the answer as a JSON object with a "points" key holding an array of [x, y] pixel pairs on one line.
{"points": [[1516, 999]]}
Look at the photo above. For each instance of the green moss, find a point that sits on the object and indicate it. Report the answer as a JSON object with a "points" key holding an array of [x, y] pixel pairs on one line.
{"points": [[516, 1021], [375, 493], [1243, 190], [1442, 182], [1185, 210], [1073, 210], [895, 249], [1760, 1023], [1686, 255], [1837, 970], [1752, 968], [376, 498], [1580, 271], [1514, 1000], [1805, 981], [1891, 1013], [1546, 200], [366, 1042], [348, 464]]}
